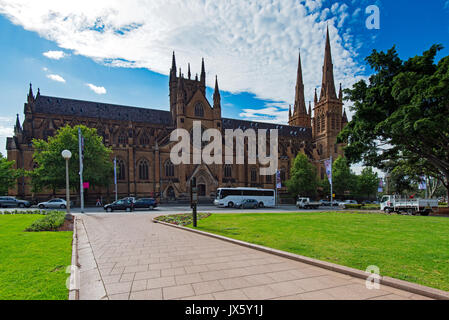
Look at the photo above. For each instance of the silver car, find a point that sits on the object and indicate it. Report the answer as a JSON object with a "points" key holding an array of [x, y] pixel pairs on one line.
{"points": [[53, 204]]}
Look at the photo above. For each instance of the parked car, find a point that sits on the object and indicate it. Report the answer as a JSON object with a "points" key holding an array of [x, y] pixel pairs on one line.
{"points": [[342, 204], [53, 204], [325, 203], [145, 203], [121, 204], [132, 199], [248, 204], [13, 202]]}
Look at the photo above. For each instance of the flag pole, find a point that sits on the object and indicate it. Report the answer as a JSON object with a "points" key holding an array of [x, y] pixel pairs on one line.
{"points": [[81, 169], [115, 177], [332, 193]]}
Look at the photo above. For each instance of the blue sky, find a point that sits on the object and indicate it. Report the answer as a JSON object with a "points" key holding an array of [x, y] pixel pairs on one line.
{"points": [[123, 51]]}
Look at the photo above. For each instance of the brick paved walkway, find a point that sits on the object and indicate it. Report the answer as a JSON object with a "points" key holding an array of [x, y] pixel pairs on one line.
{"points": [[129, 257]]}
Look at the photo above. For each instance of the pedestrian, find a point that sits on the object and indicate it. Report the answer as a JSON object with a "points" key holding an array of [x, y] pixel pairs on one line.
{"points": [[98, 202]]}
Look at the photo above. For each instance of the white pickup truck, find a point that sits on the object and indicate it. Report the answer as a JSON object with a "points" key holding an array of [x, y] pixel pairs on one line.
{"points": [[410, 206], [305, 203]]}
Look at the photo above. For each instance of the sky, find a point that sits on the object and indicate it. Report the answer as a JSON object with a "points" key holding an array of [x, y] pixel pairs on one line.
{"points": [[120, 51]]}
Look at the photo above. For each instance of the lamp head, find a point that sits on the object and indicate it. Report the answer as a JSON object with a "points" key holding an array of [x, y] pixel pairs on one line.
{"points": [[66, 154]]}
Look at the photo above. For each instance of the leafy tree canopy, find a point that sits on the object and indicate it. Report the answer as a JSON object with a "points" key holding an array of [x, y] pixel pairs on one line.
{"points": [[402, 113], [303, 178], [50, 171], [8, 175]]}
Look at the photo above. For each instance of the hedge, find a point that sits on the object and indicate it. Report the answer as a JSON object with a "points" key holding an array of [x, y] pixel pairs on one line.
{"points": [[52, 221]]}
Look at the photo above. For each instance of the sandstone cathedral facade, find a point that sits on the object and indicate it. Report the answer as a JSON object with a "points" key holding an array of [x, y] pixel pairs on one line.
{"points": [[140, 137]]}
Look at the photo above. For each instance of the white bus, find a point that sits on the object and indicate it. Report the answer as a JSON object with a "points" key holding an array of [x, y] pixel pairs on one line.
{"points": [[233, 197]]}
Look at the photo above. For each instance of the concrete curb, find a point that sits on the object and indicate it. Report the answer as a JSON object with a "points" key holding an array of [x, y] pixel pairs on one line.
{"points": [[387, 281], [75, 293]]}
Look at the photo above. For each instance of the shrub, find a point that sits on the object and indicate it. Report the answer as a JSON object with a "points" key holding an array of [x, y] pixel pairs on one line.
{"points": [[181, 219], [51, 222], [42, 212], [353, 206]]}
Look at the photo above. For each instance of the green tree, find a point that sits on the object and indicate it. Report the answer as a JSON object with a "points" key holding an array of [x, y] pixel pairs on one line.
{"points": [[368, 182], [50, 171], [343, 180], [303, 178], [403, 112], [8, 175]]}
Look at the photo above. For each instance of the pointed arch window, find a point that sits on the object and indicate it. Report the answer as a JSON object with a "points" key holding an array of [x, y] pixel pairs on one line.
{"points": [[121, 170], [144, 140], [122, 138], [199, 110], [169, 169], [253, 174], [318, 124], [144, 169], [323, 123], [228, 171], [283, 174]]}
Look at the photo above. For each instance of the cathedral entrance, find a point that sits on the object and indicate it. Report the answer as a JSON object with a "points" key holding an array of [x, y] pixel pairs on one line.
{"points": [[201, 190]]}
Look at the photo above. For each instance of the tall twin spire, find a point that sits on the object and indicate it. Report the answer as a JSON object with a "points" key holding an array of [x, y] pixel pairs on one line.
{"points": [[300, 102], [328, 85]]}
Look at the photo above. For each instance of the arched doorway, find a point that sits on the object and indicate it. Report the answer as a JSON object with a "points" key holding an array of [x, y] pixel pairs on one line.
{"points": [[201, 190], [170, 193]]}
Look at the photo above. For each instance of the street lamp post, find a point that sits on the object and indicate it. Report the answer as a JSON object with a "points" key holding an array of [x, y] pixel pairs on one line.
{"points": [[66, 154]]}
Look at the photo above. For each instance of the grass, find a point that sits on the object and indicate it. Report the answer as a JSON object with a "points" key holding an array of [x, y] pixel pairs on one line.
{"points": [[32, 264], [410, 248]]}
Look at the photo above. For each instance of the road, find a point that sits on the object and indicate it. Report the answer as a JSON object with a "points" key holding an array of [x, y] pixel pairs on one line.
{"points": [[174, 209]]}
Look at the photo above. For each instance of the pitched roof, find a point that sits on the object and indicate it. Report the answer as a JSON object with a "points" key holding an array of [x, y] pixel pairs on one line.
{"points": [[89, 109], [71, 107], [284, 130]]}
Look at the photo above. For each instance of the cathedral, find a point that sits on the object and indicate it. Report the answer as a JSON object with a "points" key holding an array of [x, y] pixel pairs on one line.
{"points": [[140, 137]]}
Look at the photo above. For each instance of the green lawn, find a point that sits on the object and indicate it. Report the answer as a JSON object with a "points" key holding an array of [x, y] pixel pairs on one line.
{"points": [[32, 264], [410, 248]]}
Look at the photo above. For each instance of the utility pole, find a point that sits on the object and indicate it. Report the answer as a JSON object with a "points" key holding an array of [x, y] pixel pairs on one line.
{"points": [[80, 149]]}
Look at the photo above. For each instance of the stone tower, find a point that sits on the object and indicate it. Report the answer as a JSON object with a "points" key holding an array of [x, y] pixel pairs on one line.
{"points": [[183, 89], [329, 118], [300, 117]]}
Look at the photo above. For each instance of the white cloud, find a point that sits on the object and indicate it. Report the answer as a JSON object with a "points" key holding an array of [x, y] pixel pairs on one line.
{"points": [[6, 130], [252, 46], [56, 55], [97, 90], [56, 77]]}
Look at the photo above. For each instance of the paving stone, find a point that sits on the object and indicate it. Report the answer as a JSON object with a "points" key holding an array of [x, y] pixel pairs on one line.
{"points": [[138, 259]]}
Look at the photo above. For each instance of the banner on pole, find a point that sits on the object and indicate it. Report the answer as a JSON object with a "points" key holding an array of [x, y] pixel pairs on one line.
{"points": [[278, 180], [328, 166], [86, 185], [422, 184], [381, 186]]}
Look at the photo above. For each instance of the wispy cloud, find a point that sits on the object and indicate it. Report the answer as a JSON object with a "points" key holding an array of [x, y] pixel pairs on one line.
{"points": [[56, 77], [55, 55], [6, 130], [251, 46], [97, 90]]}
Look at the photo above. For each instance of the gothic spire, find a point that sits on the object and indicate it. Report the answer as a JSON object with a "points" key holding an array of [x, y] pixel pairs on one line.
{"points": [[173, 67], [188, 73], [30, 94], [340, 94], [310, 108], [345, 117], [17, 127], [316, 97], [203, 73], [328, 85], [217, 96], [300, 104]]}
